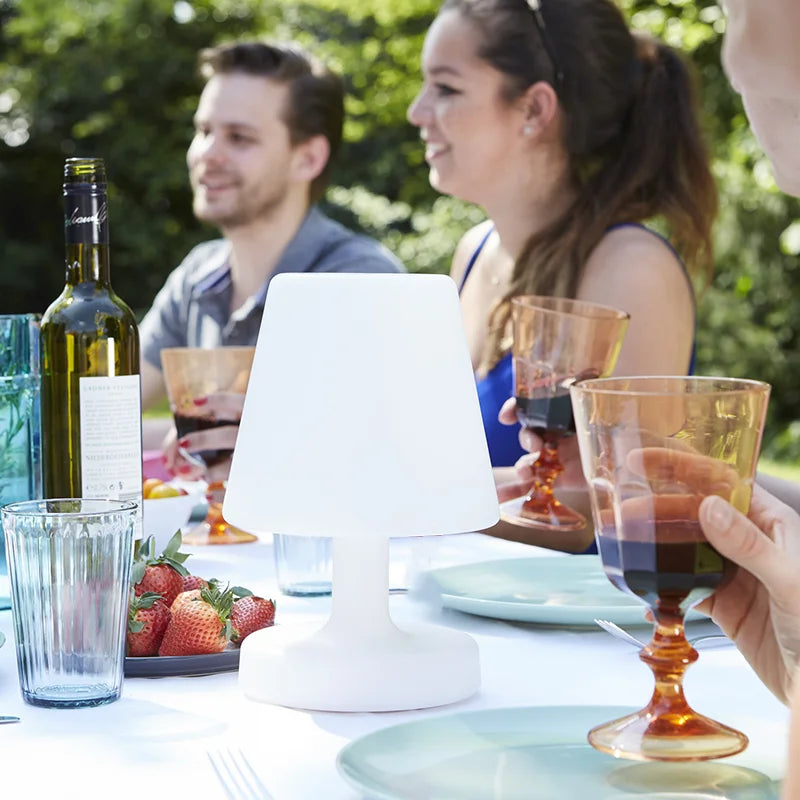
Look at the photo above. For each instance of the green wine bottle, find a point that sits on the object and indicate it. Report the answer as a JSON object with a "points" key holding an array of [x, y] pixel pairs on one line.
{"points": [[91, 392]]}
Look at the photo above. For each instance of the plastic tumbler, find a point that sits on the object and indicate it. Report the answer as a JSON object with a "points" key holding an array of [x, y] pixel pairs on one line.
{"points": [[69, 562], [303, 565]]}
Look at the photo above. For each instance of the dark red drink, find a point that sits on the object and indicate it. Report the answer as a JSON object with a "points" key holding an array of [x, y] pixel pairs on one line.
{"points": [[190, 424], [667, 563], [546, 414]]}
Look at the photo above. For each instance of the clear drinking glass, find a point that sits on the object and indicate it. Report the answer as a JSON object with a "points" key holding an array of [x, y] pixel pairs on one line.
{"points": [[69, 563], [20, 462], [651, 449], [303, 564]]}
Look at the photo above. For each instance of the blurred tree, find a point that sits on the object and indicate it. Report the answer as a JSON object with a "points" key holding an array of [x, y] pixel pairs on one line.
{"points": [[117, 78]]}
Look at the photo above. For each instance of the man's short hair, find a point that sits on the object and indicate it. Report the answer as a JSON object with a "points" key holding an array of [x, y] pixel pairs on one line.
{"points": [[316, 94]]}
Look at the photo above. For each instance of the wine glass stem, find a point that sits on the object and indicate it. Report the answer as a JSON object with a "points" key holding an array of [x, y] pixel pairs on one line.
{"points": [[668, 655], [546, 469]]}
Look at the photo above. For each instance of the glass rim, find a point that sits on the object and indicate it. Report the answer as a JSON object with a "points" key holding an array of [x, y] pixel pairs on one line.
{"points": [[233, 347], [35, 508], [590, 309], [621, 385], [28, 315]]}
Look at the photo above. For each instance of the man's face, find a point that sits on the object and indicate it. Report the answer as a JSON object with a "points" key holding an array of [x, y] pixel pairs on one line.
{"points": [[240, 159], [762, 59]]}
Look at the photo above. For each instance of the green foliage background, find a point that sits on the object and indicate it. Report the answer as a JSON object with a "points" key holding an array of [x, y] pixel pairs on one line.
{"points": [[117, 78]]}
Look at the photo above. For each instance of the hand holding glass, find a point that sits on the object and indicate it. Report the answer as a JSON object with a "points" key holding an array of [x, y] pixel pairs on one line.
{"points": [[557, 341], [652, 448], [192, 374]]}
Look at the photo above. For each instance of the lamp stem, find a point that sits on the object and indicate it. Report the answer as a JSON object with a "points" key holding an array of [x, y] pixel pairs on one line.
{"points": [[360, 588]]}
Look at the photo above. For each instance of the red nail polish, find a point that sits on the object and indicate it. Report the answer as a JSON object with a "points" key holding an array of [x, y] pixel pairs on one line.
{"points": [[200, 401], [183, 469], [183, 443]]}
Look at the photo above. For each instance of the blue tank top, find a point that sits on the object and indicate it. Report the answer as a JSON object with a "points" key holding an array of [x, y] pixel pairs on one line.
{"points": [[498, 385]]}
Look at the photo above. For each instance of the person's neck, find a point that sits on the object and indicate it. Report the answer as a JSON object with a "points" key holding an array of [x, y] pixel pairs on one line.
{"points": [[256, 248], [533, 200]]}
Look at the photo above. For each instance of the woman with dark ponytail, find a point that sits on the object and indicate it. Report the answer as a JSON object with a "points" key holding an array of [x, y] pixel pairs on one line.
{"points": [[575, 135]]}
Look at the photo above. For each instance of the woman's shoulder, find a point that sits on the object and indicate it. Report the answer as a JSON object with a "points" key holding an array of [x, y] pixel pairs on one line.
{"points": [[467, 246], [633, 251]]}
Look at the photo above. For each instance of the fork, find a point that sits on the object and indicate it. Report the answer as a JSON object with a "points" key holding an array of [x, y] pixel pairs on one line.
{"points": [[620, 633], [238, 778]]}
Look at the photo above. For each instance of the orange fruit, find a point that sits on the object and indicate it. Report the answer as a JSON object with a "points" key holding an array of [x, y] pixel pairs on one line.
{"points": [[148, 486], [163, 490]]}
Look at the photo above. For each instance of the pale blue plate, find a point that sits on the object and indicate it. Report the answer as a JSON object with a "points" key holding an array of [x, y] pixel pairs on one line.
{"points": [[572, 590], [536, 753]]}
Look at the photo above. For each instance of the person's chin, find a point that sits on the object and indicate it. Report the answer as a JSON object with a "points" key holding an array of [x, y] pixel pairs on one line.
{"points": [[439, 181], [788, 180], [209, 214]]}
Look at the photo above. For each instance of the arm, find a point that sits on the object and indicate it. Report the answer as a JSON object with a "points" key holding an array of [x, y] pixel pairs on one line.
{"points": [[634, 270]]}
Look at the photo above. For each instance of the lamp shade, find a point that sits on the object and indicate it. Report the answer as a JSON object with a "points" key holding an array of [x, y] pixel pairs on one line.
{"points": [[361, 416]]}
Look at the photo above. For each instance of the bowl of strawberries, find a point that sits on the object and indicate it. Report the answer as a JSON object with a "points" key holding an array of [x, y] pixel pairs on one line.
{"points": [[184, 624]]}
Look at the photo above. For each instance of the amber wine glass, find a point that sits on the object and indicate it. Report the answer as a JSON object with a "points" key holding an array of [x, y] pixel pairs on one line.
{"points": [[651, 449], [557, 341], [191, 373]]}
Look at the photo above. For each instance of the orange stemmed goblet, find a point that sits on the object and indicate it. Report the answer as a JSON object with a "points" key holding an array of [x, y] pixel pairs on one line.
{"points": [[191, 373], [557, 341], [651, 449]]}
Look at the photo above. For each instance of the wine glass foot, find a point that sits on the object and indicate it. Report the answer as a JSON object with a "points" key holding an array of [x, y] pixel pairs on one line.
{"points": [[686, 737], [205, 534], [551, 516]]}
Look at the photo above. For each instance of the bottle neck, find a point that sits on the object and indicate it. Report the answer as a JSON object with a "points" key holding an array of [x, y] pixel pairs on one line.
{"points": [[86, 235]]}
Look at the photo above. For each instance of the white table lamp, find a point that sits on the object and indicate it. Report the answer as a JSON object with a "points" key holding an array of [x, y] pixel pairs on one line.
{"points": [[361, 422]]}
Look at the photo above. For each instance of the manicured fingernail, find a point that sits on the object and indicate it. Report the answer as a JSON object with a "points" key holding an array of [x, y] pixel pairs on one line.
{"points": [[183, 443], [200, 401], [718, 512], [184, 469]]}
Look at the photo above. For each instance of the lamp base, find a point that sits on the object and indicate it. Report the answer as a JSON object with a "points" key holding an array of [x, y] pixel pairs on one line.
{"points": [[336, 669]]}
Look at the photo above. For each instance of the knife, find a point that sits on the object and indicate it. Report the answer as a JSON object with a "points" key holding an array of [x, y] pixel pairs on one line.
{"points": [[3, 720]]}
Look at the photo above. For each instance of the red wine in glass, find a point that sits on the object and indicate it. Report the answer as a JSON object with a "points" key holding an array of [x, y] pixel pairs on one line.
{"points": [[546, 415], [186, 424], [669, 565]]}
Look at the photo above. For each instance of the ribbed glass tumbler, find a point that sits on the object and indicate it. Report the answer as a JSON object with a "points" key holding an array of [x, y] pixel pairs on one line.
{"points": [[69, 563]]}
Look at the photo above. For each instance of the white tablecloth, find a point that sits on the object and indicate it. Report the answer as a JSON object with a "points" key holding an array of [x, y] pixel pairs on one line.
{"points": [[153, 741]]}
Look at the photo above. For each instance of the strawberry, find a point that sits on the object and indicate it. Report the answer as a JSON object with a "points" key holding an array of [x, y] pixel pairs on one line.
{"points": [[193, 582], [251, 614], [183, 598], [160, 574], [200, 625], [161, 579], [148, 617]]}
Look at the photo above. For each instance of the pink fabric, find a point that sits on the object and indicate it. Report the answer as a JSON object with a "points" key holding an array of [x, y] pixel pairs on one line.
{"points": [[153, 465]]}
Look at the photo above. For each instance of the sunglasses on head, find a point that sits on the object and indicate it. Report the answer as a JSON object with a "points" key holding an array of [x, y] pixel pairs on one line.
{"points": [[536, 7]]}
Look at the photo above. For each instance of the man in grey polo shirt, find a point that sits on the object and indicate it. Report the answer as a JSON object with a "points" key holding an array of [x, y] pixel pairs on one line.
{"points": [[267, 127]]}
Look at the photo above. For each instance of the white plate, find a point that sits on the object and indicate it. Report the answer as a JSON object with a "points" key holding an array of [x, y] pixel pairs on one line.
{"points": [[537, 753], [572, 590]]}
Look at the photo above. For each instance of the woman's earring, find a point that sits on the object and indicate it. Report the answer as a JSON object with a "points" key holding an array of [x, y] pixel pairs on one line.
{"points": [[527, 130]]}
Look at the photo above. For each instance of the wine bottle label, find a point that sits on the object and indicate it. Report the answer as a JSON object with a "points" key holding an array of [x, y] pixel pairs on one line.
{"points": [[111, 439], [86, 217]]}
